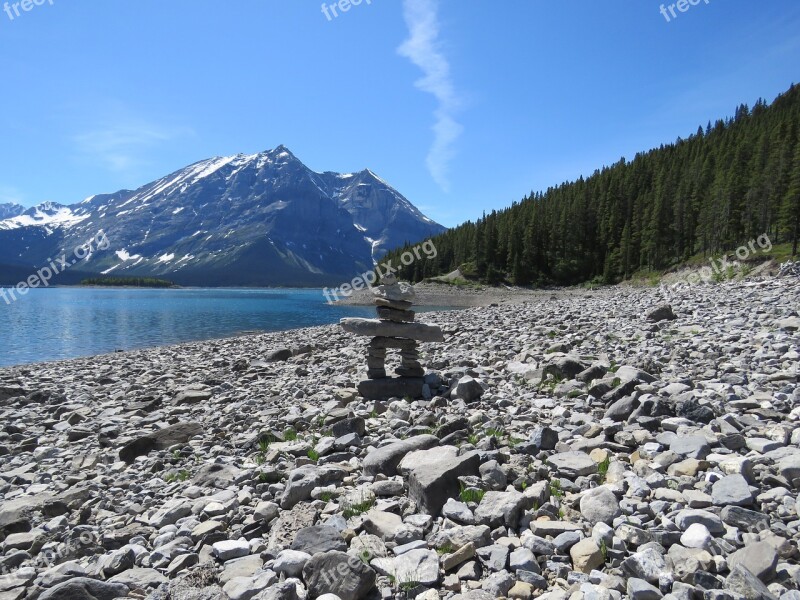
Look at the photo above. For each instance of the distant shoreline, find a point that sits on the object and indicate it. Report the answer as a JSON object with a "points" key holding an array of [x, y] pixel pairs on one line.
{"points": [[442, 294]]}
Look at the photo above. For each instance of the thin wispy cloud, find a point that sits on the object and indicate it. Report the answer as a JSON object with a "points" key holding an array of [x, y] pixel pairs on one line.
{"points": [[123, 147], [423, 49]]}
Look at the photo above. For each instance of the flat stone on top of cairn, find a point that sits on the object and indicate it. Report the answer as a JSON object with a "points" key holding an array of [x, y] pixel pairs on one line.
{"points": [[394, 329]]}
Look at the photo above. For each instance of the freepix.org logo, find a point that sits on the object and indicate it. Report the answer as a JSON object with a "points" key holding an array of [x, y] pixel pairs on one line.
{"points": [[682, 6], [15, 10]]}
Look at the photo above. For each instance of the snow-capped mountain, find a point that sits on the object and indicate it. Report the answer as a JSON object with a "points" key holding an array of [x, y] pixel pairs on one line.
{"points": [[260, 219], [10, 209]]}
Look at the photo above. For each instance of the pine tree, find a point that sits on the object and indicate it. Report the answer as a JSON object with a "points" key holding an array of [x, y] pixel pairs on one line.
{"points": [[719, 187], [790, 215]]}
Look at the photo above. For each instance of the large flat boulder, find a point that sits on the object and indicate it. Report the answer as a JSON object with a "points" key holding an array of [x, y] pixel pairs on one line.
{"points": [[377, 328], [386, 458], [391, 387], [162, 439], [433, 475], [340, 574]]}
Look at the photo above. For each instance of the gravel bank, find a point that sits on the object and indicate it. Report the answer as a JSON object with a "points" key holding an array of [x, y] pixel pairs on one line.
{"points": [[569, 447], [444, 295]]}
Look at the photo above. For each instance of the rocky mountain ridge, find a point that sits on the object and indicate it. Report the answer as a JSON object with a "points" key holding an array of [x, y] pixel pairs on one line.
{"points": [[261, 219]]}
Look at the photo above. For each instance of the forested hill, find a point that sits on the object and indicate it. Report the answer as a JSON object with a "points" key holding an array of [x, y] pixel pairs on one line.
{"points": [[735, 180]]}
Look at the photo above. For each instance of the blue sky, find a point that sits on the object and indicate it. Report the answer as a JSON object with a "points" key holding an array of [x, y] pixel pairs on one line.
{"points": [[463, 106]]}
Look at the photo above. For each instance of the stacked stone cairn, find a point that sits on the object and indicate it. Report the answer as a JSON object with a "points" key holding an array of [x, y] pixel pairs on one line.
{"points": [[394, 329]]}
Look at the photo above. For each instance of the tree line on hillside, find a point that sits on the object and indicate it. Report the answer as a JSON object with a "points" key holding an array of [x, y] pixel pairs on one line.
{"points": [[146, 282], [730, 182]]}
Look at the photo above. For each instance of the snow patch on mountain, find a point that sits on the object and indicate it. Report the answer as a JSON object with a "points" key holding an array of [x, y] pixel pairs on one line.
{"points": [[49, 214], [123, 255]]}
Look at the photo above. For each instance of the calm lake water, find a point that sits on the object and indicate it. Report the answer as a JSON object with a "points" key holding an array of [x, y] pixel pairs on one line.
{"points": [[58, 323]]}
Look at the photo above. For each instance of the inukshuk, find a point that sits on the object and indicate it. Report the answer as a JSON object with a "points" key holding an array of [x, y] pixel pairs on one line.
{"points": [[393, 329]]}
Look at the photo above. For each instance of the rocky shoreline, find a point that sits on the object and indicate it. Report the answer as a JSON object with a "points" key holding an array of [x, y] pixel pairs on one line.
{"points": [[570, 446], [453, 296]]}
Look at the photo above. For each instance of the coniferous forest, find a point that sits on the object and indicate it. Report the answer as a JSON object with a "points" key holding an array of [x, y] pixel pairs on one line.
{"points": [[728, 183]]}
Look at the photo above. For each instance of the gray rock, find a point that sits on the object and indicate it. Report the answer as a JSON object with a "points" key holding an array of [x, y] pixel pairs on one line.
{"points": [[646, 564], [216, 475], [744, 519], [600, 505], [662, 313], [171, 512], [139, 578], [433, 475], [501, 508], [468, 389], [760, 558], [375, 328], [573, 464], [419, 566], [498, 584], [566, 540], [639, 589], [230, 549], [247, 588], [523, 559], [338, 573], [285, 590], [691, 446], [182, 563], [266, 511], [318, 538], [159, 440], [355, 425], [392, 387], [789, 323], [300, 484], [382, 524], [192, 397], [743, 582], [385, 459], [290, 562], [789, 467], [687, 517], [479, 535], [622, 408], [543, 438], [539, 545], [83, 588], [494, 558], [458, 511], [279, 355], [732, 490], [565, 367]]}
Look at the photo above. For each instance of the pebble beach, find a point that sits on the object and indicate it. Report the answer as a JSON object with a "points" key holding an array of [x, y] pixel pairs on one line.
{"points": [[590, 445]]}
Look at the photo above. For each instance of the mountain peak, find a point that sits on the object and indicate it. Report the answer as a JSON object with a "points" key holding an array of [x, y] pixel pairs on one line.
{"points": [[281, 149], [243, 219], [372, 175]]}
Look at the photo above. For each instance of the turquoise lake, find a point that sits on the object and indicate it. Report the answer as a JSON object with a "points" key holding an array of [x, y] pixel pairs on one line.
{"points": [[61, 323]]}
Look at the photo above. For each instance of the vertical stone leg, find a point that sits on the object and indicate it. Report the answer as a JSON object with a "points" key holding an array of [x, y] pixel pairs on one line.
{"points": [[409, 363], [376, 363]]}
